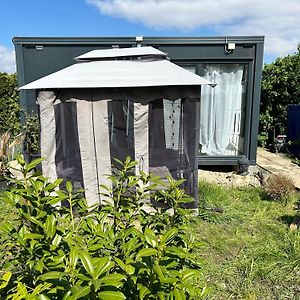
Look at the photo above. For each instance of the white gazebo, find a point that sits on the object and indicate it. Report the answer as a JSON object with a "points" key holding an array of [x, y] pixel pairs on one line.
{"points": [[117, 103]]}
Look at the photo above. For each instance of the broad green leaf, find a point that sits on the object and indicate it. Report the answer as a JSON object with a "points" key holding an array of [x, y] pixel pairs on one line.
{"points": [[131, 231], [67, 295], [120, 263], [56, 200], [129, 269], [158, 271], [131, 245], [69, 187], [9, 198], [34, 220], [103, 265], [56, 260], [188, 274], [33, 164], [113, 279], [87, 263], [39, 185], [6, 277], [73, 257], [34, 236], [169, 235], [83, 277], [22, 290], [20, 159], [39, 266], [82, 292], [161, 295], [50, 226], [146, 252], [143, 291], [173, 264], [150, 237], [23, 230], [179, 294], [40, 287], [97, 284], [52, 275], [105, 187], [56, 241], [176, 251], [111, 295], [6, 228], [186, 200], [53, 185]]}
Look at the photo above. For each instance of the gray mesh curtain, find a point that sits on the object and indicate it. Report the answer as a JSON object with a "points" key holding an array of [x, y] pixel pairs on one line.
{"points": [[68, 158], [121, 133], [180, 159], [84, 130]]}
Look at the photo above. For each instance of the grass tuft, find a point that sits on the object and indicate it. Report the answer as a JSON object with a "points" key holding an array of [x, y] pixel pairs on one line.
{"points": [[279, 188]]}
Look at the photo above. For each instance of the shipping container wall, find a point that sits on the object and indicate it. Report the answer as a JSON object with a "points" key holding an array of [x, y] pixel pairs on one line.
{"points": [[229, 113]]}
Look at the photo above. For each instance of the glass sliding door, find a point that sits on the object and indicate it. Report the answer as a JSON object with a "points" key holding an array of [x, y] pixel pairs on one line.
{"points": [[222, 109]]}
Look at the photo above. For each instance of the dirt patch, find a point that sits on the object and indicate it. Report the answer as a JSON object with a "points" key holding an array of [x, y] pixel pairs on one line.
{"points": [[231, 178]]}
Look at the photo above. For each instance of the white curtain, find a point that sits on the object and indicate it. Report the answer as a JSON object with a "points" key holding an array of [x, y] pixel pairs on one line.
{"points": [[220, 114]]}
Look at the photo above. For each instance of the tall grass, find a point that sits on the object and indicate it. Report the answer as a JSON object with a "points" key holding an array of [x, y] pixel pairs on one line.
{"points": [[249, 251]]}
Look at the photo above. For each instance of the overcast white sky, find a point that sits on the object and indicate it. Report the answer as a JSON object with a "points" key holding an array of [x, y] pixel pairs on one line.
{"points": [[277, 20]]}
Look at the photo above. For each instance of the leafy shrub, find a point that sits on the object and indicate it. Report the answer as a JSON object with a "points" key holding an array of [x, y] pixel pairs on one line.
{"points": [[265, 129], [10, 110], [7, 148], [279, 187], [113, 251], [9, 104], [32, 131]]}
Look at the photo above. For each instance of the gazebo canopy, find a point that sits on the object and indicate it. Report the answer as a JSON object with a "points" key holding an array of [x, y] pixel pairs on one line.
{"points": [[119, 68]]}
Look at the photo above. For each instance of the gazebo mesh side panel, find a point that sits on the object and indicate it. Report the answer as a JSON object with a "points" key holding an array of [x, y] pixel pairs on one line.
{"points": [[190, 145], [164, 133], [68, 158], [175, 153], [121, 131]]}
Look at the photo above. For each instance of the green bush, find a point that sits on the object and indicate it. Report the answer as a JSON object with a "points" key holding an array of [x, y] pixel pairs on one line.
{"points": [[10, 110], [114, 251], [32, 131], [9, 104]]}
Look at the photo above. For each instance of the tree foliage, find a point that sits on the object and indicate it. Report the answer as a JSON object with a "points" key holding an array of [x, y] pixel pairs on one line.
{"points": [[10, 110], [9, 104], [280, 87], [32, 130]]}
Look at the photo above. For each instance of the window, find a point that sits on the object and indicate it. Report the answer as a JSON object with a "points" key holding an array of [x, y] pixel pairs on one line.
{"points": [[222, 109]]}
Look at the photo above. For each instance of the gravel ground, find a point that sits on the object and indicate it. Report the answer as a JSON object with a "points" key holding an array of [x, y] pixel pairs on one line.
{"points": [[230, 178]]}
